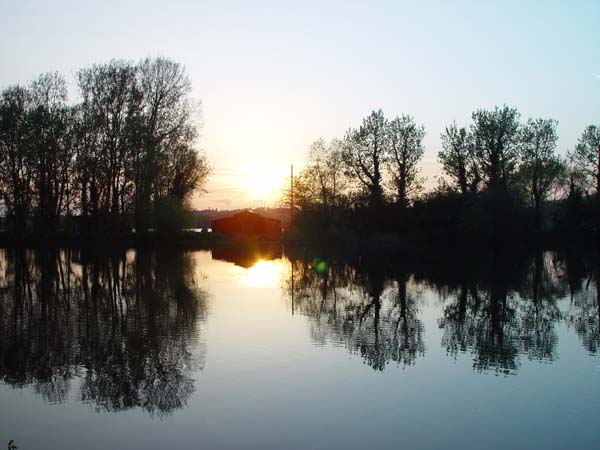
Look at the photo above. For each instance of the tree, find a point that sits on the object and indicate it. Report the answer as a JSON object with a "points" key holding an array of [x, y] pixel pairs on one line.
{"points": [[458, 158], [52, 151], [129, 142], [165, 124], [406, 151], [171, 216], [186, 171], [85, 142], [136, 134], [322, 182], [364, 152], [496, 138], [16, 170], [540, 167], [107, 115], [586, 157]]}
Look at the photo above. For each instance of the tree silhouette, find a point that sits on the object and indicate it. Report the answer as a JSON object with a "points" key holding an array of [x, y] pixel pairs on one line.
{"points": [[365, 151], [406, 152], [496, 138], [458, 158], [51, 121], [116, 155], [586, 157], [16, 160], [541, 168]]}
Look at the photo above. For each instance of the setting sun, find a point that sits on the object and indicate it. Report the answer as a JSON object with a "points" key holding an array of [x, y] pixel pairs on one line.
{"points": [[262, 183], [299, 224]]}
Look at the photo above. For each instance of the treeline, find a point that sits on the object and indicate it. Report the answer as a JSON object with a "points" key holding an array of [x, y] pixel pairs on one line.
{"points": [[500, 174], [123, 155]]}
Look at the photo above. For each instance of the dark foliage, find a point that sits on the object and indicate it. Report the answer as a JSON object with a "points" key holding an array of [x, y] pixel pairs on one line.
{"points": [[109, 160], [502, 180]]}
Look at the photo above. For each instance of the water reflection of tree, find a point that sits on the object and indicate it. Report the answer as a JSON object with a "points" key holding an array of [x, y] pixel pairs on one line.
{"points": [[544, 286], [583, 314], [497, 307], [484, 323], [505, 310], [358, 306], [125, 324]]}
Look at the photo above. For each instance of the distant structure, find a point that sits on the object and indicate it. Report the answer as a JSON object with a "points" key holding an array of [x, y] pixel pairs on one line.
{"points": [[247, 257], [248, 224]]}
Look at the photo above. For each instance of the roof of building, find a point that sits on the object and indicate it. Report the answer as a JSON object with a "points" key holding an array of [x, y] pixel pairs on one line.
{"points": [[247, 215]]}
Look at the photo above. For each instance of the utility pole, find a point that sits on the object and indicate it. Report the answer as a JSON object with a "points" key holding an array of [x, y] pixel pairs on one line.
{"points": [[292, 215], [291, 191]]}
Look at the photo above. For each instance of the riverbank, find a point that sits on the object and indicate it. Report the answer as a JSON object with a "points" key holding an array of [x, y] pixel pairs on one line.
{"points": [[414, 243], [376, 242], [186, 239]]}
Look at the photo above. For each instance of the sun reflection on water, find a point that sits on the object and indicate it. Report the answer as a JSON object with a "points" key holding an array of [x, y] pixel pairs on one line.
{"points": [[263, 274]]}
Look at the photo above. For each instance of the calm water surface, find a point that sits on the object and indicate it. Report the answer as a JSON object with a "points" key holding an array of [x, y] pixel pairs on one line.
{"points": [[161, 350]]}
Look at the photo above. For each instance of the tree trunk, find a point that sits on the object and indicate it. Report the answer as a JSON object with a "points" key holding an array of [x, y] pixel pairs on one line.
{"points": [[537, 212], [598, 172]]}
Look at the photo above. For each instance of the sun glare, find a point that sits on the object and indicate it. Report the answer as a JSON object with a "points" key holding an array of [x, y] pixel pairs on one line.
{"points": [[262, 183], [262, 274]]}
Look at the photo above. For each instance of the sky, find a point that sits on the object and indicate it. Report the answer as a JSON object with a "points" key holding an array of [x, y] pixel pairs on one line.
{"points": [[273, 77]]}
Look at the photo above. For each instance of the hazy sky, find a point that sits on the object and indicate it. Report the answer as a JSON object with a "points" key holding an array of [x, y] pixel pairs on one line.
{"points": [[275, 76]]}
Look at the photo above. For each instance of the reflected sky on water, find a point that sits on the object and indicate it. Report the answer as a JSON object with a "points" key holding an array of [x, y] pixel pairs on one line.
{"points": [[263, 348]]}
